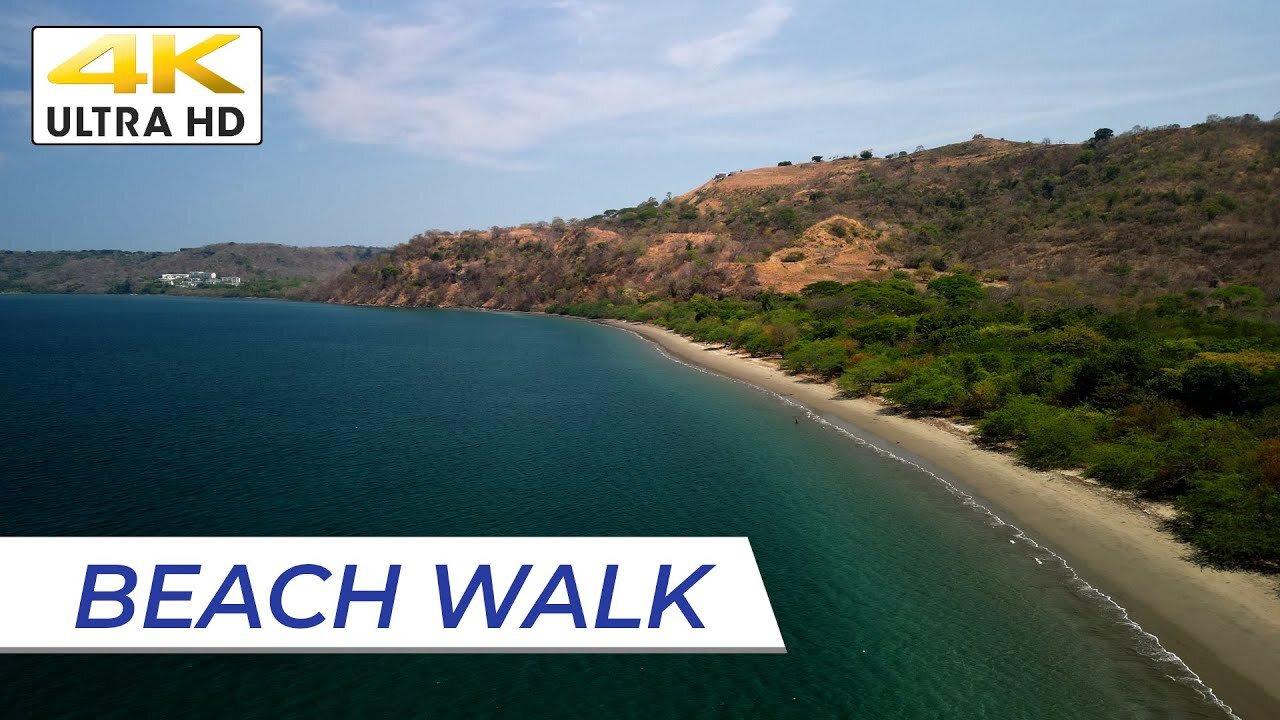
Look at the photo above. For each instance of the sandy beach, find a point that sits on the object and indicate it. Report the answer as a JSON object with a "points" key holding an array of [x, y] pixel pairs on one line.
{"points": [[1224, 625]]}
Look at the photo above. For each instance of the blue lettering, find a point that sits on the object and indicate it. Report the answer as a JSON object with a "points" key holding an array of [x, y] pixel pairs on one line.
{"points": [[663, 598], [91, 594], [277, 596], [239, 575], [159, 595], [348, 595], [544, 606], [606, 602], [481, 581]]}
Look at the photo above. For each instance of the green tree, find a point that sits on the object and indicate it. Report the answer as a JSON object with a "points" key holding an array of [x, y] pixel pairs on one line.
{"points": [[820, 357], [785, 218], [1010, 423], [1061, 439], [929, 390], [958, 290], [861, 377], [1239, 296], [884, 330], [1210, 387], [822, 288]]}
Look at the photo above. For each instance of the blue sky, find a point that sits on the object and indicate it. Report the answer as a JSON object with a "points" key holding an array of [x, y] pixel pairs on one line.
{"points": [[384, 119]]}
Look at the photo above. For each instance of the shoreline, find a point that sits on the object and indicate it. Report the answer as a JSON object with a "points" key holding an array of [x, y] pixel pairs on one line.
{"points": [[1223, 625]]}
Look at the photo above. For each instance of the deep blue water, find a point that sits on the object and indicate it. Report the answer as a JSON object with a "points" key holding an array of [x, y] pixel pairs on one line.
{"points": [[177, 416]]}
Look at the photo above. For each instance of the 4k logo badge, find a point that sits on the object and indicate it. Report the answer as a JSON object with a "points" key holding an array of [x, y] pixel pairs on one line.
{"points": [[146, 85]]}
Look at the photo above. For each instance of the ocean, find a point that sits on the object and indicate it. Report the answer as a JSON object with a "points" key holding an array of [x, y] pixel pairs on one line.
{"points": [[124, 415]]}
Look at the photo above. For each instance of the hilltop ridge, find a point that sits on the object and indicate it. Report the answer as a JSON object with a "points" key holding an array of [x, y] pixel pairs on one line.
{"points": [[1143, 213]]}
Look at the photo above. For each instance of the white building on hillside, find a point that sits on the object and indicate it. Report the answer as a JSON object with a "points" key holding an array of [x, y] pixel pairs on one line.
{"points": [[198, 278]]}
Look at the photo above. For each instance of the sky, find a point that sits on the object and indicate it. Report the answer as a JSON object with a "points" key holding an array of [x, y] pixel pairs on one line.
{"points": [[384, 119]]}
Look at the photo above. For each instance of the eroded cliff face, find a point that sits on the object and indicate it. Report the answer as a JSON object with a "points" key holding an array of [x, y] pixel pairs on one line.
{"points": [[1144, 213]]}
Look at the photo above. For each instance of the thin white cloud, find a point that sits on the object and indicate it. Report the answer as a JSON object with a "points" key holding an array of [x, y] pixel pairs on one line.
{"points": [[486, 113], [274, 83], [14, 43], [583, 14], [446, 83], [10, 99], [582, 20], [757, 27], [300, 9], [492, 85], [16, 21]]}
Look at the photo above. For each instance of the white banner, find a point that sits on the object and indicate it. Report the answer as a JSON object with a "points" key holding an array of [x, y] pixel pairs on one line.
{"points": [[387, 594]]}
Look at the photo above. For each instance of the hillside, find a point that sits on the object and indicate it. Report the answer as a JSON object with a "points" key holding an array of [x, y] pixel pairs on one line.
{"points": [[1144, 213], [262, 266]]}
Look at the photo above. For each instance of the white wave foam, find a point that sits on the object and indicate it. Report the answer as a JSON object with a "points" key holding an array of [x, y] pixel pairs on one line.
{"points": [[1146, 643]]}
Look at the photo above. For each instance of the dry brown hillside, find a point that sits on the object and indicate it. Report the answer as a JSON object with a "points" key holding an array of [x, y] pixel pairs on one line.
{"points": [[1143, 213]]}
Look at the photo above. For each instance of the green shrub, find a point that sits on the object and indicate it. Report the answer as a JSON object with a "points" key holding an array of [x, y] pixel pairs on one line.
{"points": [[757, 344], [1046, 436], [1239, 296], [928, 390], [885, 330], [987, 394], [1210, 387], [1009, 423], [820, 357], [1162, 464], [1074, 339], [785, 218], [1233, 519], [861, 377], [1045, 376], [1061, 439], [1004, 330], [822, 288], [1133, 464]]}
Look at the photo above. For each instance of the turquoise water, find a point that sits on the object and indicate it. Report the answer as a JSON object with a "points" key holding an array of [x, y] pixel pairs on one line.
{"points": [[171, 416]]}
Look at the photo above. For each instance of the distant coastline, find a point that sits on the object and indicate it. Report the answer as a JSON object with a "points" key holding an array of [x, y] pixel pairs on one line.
{"points": [[1224, 625]]}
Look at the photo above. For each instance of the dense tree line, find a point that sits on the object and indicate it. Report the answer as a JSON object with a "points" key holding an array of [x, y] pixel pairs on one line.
{"points": [[1177, 399]]}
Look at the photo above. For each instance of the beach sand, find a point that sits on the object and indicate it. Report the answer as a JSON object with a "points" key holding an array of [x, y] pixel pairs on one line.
{"points": [[1224, 625]]}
